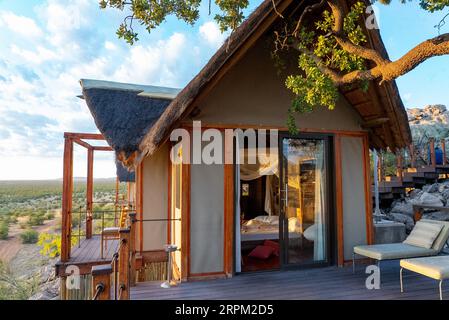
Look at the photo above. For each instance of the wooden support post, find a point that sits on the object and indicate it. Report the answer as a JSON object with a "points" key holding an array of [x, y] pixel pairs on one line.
{"points": [[89, 192], [443, 149], [123, 265], [132, 236], [67, 189], [101, 280], [399, 171], [432, 152]]}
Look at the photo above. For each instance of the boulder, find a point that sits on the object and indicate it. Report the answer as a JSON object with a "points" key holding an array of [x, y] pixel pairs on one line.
{"points": [[430, 188], [403, 207], [428, 199], [405, 219], [437, 215]]}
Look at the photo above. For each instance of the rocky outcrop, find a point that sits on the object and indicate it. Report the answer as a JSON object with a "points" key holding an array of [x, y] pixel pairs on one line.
{"points": [[436, 194], [430, 121]]}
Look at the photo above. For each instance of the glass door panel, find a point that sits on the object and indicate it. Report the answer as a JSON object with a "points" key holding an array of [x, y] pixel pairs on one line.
{"points": [[304, 216]]}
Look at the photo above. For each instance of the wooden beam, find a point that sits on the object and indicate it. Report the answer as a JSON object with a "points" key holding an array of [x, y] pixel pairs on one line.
{"points": [[124, 265], [375, 123], [67, 189], [432, 152], [82, 143], [399, 166], [228, 218], [339, 200], [89, 192], [102, 148], [185, 222], [87, 136]]}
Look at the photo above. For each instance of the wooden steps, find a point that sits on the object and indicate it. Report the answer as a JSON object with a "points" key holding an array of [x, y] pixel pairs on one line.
{"points": [[394, 187]]}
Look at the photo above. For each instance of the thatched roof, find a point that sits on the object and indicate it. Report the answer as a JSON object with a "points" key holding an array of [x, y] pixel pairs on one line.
{"points": [[124, 113], [123, 174]]}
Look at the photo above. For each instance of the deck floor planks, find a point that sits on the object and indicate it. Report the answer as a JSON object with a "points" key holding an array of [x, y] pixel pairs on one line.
{"points": [[326, 283], [90, 251]]}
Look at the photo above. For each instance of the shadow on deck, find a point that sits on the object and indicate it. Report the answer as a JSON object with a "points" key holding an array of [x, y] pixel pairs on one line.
{"points": [[88, 254], [317, 284]]}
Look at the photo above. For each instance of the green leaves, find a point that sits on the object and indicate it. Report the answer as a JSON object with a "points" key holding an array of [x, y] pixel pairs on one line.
{"points": [[313, 88], [151, 13]]}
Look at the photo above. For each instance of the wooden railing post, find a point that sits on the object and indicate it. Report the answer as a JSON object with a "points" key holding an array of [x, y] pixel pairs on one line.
{"points": [[67, 189], [399, 167], [443, 149], [89, 192], [123, 265], [432, 152], [101, 281], [132, 236]]}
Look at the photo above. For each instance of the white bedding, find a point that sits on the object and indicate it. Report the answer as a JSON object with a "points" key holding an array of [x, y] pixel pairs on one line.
{"points": [[267, 228]]}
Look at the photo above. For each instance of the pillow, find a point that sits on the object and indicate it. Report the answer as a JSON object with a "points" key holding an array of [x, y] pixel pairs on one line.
{"points": [[261, 252], [274, 245], [267, 219], [424, 234]]}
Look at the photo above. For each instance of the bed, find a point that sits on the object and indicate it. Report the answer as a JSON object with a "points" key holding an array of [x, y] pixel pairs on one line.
{"points": [[267, 228]]}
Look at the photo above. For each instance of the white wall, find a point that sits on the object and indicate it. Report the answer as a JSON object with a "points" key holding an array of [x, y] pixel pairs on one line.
{"points": [[155, 201], [354, 204]]}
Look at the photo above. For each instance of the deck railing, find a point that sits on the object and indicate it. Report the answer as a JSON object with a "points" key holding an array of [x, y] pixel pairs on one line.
{"points": [[119, 276], [422, 153]]}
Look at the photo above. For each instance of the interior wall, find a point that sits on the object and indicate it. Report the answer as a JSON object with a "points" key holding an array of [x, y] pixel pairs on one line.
{"points": [[354, 202], [261, 98], [155, 199]]}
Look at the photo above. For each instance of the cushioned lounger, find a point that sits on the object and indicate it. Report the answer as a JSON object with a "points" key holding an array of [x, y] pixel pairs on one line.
{"points": [[395, 251], [433, 267]]}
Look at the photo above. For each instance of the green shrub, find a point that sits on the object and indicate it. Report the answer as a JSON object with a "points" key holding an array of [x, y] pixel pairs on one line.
{"points": [[29, 236], [4, 231], [36, 220], [50, 216]]}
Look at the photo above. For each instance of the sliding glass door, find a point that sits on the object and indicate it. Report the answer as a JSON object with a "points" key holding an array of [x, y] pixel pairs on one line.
{"points": [[304, 217]]}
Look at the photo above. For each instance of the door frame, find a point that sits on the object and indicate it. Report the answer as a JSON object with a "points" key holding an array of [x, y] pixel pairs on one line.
{"points": [[331, 226]]}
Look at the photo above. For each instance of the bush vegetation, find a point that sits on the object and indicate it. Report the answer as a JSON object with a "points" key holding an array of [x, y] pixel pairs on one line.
{"points": [[29, 236]]}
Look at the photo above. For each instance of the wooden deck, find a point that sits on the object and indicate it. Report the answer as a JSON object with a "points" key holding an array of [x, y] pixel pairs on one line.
{"points": [[317, 284], [87, 254]]}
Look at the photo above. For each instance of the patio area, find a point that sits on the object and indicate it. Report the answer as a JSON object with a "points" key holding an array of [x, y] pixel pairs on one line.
{"points": [[317, 284]]}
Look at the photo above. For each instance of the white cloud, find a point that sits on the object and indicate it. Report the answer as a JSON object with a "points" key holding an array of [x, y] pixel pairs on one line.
{"points": [[157, 64], [40, 55], [109, 45], [21, 25], [39, 80], [210, 32]]}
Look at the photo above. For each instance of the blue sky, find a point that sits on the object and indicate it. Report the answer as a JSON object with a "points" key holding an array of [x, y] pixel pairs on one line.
{"points": [[46, 46]]}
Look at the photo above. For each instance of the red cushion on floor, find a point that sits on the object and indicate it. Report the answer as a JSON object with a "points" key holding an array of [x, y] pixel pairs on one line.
{"points": [[261, 252], [274, 245]]}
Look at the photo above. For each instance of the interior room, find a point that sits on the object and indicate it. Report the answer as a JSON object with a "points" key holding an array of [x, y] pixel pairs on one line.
{"points": [[281, 207]]}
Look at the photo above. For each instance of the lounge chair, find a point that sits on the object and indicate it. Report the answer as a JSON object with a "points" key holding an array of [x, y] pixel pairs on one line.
{"points": [[396, 251]]}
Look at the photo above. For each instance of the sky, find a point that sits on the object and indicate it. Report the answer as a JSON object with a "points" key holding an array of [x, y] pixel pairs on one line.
{"points": [[46, 46]]}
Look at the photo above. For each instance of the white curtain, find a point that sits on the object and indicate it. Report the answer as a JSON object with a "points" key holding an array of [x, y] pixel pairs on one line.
{"points": [[320, 183]]}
